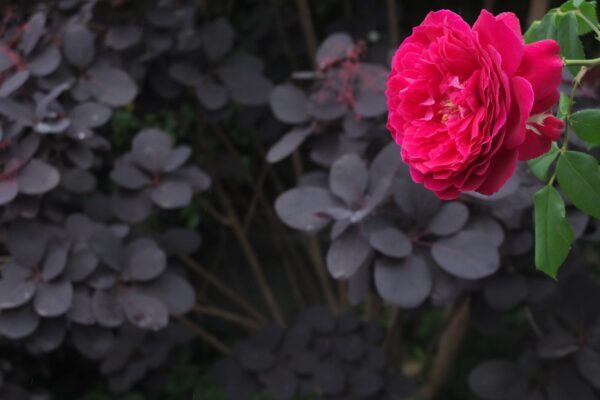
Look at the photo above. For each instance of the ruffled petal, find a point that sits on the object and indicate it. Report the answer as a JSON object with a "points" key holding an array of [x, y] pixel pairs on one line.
{"points": [[495, 32], [542, 67]]}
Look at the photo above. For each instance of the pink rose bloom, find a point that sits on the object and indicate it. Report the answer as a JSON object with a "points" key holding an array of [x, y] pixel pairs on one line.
{"points": [[465, 104]]}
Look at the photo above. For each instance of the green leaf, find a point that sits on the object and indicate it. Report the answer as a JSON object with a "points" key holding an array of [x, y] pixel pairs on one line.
{"points": [[553, 234], [568, 39], [586, 124], [529, 35], [579, 179], [544, 29], [587, 9], [540, 165]]}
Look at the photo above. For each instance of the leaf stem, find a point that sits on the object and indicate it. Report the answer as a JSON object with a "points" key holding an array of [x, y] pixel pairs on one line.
{"points": [[565, 145], [592, 62], [590, 23]]}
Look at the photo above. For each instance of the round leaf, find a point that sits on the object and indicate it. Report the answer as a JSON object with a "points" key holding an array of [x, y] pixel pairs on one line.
{"points": [[450, 218], [288, 103], [78, 45], [405, 283], [53, 299], [347, 253], [466, 255], [37, 177], [391, 242], [143, 311]]}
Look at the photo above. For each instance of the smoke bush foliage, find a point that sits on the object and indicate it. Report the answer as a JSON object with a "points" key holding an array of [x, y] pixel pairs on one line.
{"points": [[92, 231]]}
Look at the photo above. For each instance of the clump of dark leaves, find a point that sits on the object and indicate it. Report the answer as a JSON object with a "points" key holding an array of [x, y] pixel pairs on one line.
{"points": [[81, 265], [390, 235], [318, 355]]}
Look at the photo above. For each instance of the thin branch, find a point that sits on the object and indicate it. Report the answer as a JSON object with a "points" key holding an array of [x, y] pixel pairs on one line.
{"points": [[204, 335], [314, 251], [226, 316], [250, 255], [447, 350], [308, 28], [393, 25], [223, 288]]}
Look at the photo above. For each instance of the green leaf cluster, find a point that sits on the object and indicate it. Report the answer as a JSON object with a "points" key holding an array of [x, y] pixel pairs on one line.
{"points": [[565, 24]]}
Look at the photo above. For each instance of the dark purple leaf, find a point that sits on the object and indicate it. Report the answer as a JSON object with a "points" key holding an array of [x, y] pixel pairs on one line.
{"points": [[405, 283], [8, 191], [78, 45], [307, 208], [213, 96], [289, 103], [81, 308], [14, 292], [173, 291], [391, 242], [55, 261], [304, 363], [325, 106], [53, 299], [247, 88], [46, 61], [185, 74], [151, 148], [48, 336], [179, 156], [217, 39], [588, 363], [26, 242], [172, 194], [365, 383], [80, 155], [255, 359], [131, 208], [81, 263], [467, 255], [492, 380], [566, 384], [14, 111], [143, 311], [348, 178], [281, 383], [450, 218], [144, 260], [18, 322], [128, 176], [198, 179], [161, 17], [487, 227], [89, 115], [14, 82], [78, 181], [107, 309], [37, 177], [347, 253], [112, 86], [319, 318], [287, 144], [355, 127], [330, 378], [505, 292], [370, 104], [92, 342], [33, 33], [123, 37], [107, 247], [334, 48], [557, 344]]}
